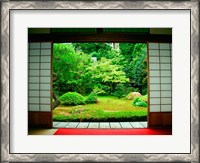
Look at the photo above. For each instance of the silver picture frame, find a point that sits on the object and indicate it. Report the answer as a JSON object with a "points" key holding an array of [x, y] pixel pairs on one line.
{"points": [[6, 6]]}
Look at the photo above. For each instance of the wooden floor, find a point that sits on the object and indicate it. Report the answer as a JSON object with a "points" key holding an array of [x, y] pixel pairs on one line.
{"points": [[100, 124], [36, 131]]}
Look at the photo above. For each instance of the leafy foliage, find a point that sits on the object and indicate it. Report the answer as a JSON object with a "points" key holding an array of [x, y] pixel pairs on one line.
{"points": [[138, 67], [108, 74], [144, 90], [141, 101], [112, 72], [71, 69], [97, 50], [72, 98], [126, 49], [121, 90], [64, 61], [100, 69], [98, 90], [92, 98]]}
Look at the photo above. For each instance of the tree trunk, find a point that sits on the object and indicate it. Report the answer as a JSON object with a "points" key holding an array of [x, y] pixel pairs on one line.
{"points": [[111, 88], [56, 102], [55, 97], [79, 89]]}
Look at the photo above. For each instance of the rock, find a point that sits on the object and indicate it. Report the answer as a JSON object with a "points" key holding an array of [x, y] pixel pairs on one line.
{"points": [[133, 95], [98, 101]]}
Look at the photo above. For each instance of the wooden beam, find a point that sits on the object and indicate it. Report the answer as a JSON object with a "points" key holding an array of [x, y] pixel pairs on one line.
{"points": [[160, 119], [99, 37], [40, 119]]}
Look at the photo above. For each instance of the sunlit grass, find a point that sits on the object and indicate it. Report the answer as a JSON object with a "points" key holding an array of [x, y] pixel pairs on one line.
{"points": [[109, 108]]}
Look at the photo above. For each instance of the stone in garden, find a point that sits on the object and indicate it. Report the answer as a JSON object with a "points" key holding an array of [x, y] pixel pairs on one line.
{"points": [[133, 95], [98, 101]]}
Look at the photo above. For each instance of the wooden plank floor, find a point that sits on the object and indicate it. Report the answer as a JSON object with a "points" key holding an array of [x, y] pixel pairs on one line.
{"points": [[100, 124]]}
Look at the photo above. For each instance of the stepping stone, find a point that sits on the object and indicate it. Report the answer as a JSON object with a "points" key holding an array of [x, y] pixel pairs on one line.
{"points": [[93, 125], [126, 125], [55, 123], [61, 124], [144, 124], [104, 125], [72, 125], [115, 125], [136, 125], [83, 125]]}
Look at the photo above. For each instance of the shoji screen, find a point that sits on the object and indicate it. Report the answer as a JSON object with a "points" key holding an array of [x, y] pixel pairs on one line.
{"points": [[160, 77], [39, 77]]}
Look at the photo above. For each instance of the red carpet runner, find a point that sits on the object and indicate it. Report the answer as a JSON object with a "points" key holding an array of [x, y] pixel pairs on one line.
{"points": [[139, 131]]}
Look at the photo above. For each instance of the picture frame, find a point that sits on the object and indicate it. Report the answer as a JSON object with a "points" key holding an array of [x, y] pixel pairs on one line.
{"points": [[8, 6]]}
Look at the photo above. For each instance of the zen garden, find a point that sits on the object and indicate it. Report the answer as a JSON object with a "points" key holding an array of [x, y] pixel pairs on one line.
{"points": [[100, 82]]}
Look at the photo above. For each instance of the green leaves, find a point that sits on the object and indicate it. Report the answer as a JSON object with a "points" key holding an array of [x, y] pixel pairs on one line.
{"points": [[71, 69], [72, 98], [137, 69], [92, 98], [107, 72], [141, 101], [97, 50], [78, 70]]}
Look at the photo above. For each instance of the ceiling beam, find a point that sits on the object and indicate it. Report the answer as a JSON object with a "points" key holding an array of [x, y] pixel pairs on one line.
{"points": [[99, 37]]}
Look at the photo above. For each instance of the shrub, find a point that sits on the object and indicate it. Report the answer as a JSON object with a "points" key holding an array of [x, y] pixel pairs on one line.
{"points": [[97, 90], [106, 90], [72, 98], [91, 99], [144, 91], [132, 89], [144, 98], [120, 91], [141, 101]]}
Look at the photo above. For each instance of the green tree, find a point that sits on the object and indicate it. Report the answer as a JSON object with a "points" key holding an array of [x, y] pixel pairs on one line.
{"points": [[126, 49], [108, 74], [81, 81], [138, 67], [63, 59], [71, 69], [76, 71], [64, 63], [97, 50]]}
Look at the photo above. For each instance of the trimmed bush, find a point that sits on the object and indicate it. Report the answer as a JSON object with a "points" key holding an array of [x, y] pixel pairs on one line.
{"points": [[144, 98], [141, 101], [91, 99], [72, 98]]}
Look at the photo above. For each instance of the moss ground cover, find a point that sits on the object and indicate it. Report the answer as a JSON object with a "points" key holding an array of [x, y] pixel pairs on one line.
{"points": [[108, 109]]}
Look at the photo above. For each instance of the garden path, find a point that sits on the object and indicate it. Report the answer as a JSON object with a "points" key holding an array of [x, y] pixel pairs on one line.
{"points": [[100, 124]]}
